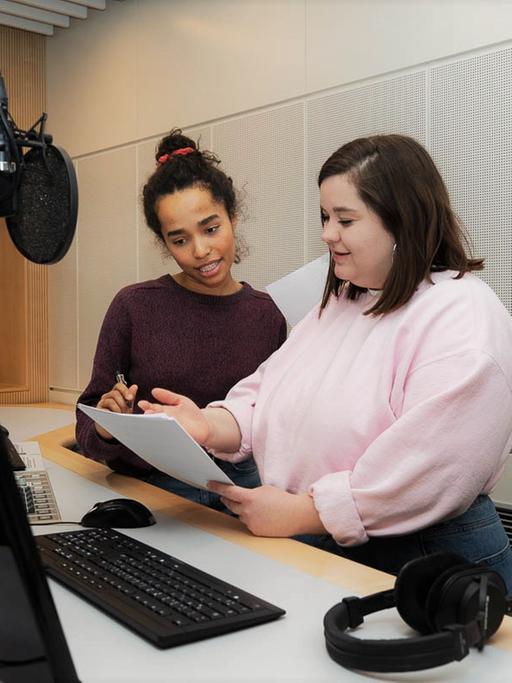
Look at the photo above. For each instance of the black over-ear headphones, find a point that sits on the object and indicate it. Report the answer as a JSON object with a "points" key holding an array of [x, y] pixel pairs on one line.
{"points": [[452, 603]]}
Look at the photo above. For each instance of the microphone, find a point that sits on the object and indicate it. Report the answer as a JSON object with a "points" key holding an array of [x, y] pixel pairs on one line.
{"points": [[5, 166], [38, 189], [8, 157]]}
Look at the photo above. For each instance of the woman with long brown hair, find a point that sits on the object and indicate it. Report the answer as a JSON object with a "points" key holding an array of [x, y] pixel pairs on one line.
{"points": [[383, 423]]}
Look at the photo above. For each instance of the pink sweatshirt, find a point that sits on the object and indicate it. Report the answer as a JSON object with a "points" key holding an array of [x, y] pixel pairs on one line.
{"points": [[392, 423]]}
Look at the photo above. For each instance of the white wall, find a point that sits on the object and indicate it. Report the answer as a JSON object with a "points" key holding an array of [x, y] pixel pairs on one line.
{"points": [[273, 86], [128, 73]]}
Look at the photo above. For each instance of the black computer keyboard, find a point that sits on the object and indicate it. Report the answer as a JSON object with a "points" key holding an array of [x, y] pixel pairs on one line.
{"points": [[163, 599]]}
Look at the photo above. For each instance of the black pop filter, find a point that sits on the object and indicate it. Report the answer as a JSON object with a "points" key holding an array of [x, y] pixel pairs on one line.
{"points": [[43, 226], [38, 189]]}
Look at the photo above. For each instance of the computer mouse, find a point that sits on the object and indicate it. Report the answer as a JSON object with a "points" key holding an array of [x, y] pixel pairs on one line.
{"points": [[120, 513]]}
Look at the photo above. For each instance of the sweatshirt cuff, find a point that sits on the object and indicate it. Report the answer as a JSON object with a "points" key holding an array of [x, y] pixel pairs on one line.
{"points": [[243, 418], [332, 497]]}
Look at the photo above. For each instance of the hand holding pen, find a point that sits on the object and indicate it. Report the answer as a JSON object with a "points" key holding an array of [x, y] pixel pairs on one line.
{"points": [[120, 399], [127, 392]]}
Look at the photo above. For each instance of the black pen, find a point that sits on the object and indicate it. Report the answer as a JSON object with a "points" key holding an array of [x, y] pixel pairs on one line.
{"points": [[120, 379]]}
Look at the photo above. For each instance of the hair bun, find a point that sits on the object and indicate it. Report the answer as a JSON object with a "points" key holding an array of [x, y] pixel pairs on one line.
{"points": [[174, 141]]}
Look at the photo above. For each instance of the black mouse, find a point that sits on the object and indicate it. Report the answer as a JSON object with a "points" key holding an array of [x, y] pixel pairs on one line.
{"points": [[120, 513]]}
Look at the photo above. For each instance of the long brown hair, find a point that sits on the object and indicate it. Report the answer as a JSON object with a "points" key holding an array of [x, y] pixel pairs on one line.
{"points": [[398, 180]]}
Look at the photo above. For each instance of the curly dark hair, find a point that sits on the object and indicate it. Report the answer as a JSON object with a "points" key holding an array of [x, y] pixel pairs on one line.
{"points": [[198, 168]]}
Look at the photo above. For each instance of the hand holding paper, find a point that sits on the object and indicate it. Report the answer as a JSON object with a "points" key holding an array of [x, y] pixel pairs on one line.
{"points": [[161, 441], [188, 414], [215, 428]]}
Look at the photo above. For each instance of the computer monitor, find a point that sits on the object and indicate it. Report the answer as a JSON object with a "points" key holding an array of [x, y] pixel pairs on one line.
{"points": [[32, 643]]}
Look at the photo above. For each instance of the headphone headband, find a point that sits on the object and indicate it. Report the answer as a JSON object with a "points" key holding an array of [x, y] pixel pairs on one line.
{"points": [[390, 655], [465, 606]]}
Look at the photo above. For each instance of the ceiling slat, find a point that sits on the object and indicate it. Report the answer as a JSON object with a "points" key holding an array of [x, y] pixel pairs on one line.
{"points": [[93, 4], [72, 9], [26, 24], [25, 12], [41, 16]]}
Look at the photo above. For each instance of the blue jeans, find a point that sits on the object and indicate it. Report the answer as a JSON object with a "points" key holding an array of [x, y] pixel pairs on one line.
{"points": [[477, 535], [242, 474]]}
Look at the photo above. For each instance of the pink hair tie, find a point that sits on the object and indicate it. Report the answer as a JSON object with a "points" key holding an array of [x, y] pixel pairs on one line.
{"points": [[182, 151], [177, 152]]}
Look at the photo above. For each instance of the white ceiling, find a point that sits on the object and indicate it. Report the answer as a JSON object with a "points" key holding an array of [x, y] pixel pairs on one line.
{"points": [[41, 16]]}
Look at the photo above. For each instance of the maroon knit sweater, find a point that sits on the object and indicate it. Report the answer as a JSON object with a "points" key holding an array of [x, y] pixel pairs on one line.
{"points": [[160, 334]]}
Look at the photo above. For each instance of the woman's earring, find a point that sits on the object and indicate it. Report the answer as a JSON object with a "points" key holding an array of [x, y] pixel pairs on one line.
{"points": [[393, 253]]}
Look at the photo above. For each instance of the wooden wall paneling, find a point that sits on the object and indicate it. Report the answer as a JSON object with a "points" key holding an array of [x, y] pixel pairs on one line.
{"points": [[23, 285]]}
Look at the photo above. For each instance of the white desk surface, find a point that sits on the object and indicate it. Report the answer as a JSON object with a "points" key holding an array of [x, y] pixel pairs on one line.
{"points": [[304, 581]]}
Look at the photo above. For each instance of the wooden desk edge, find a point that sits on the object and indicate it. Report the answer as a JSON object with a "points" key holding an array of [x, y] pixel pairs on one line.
{"points": [[357, 578]]}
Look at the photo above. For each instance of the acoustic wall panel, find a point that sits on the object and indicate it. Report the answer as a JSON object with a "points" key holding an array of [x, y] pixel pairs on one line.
{"points": [[460, 110], [264, 154], [471, 140], [62, 329], [106, 242], [348, 40], [93, 88], [202, 136], [13, 317], [396, 105], [198, 60], [152, 259]]}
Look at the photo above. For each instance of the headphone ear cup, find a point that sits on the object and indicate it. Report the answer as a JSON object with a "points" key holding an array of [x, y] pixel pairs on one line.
{"points": [[497, 606], [444, 596], [413, 586], [455, 598]]}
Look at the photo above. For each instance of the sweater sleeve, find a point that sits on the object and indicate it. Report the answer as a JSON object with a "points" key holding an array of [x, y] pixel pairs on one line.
{"points": [[241, 402], [113, 352], [283, 331], [448, 444]]}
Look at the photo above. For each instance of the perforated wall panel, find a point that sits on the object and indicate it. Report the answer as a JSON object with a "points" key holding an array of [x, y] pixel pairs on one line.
{"points": [[106, 242], [264, 154], [396, 105], [202, 135], [461, 110], [471, 140]]}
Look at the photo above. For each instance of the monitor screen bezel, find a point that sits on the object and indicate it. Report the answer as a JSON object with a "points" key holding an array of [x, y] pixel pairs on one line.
{"points": [[18, 537]]}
